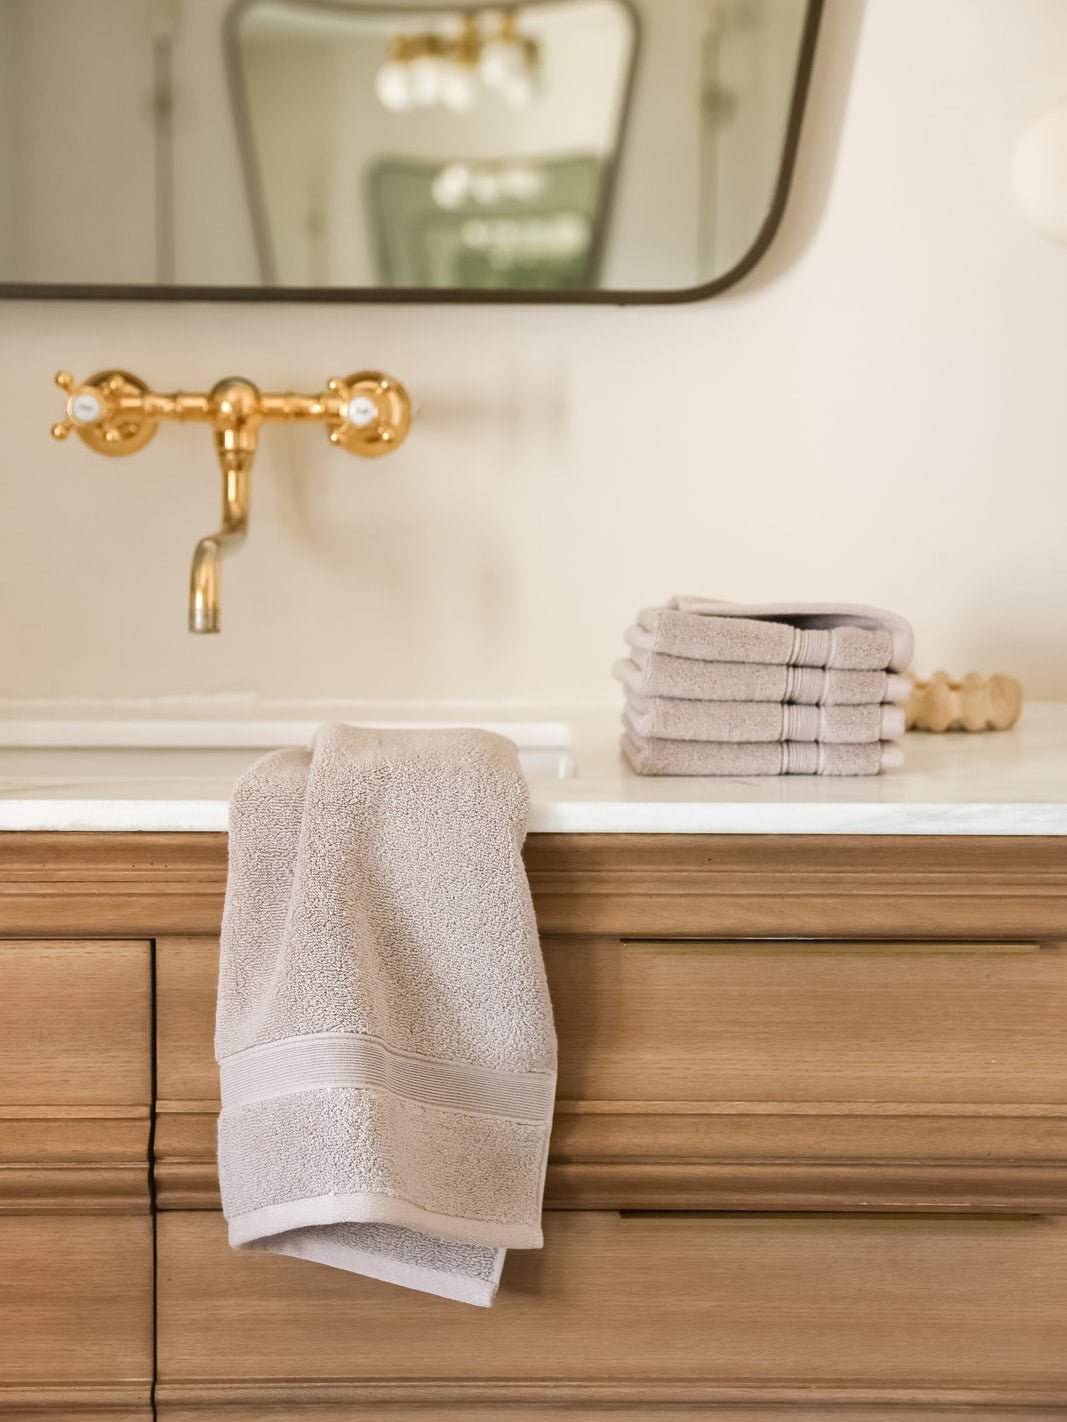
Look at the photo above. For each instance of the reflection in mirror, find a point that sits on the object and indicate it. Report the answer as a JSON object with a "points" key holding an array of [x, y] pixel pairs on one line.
{"points": [[451, 149], [577, 147]]}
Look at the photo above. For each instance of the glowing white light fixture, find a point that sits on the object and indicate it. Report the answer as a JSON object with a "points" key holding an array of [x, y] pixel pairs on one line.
{"points": [[502, 60], [1039, 172], [393, 86], [451, 186], [485, 187], [454, 67], [427, 80], [459, 87], [522, 184], [461, 91], [488, 185], [509, 63]]}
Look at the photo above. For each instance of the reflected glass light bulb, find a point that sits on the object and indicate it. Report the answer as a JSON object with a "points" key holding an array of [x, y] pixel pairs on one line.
{"points": [[484, 187], [501, 61], [476, 235], [459, 88], [393, 86], [522, 184], [452, 186], [427, 78], [571, 234]]}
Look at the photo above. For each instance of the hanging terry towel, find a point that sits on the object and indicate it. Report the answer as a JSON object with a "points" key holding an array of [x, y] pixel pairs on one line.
{"points": [[384, 1032]]}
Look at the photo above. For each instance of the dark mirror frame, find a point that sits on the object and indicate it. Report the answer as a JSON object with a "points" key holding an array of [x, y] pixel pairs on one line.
{"points": [[459, 296]]}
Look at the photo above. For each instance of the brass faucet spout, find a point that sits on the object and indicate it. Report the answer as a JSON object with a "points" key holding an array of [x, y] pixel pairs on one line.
{"points": [[204, 613], [236, 419]]}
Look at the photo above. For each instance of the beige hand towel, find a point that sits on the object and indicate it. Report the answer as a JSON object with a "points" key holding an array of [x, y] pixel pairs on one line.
{"points": [[384, 1029], [656, 757], [656, 674], [811, 634], [671, 719]]}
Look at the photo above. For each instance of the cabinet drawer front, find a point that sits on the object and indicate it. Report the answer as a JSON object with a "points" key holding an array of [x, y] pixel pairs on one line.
{"points": [[918, 1305], [75, 1023], [804, 1021], [75, 1315], [75, 1075], [748, 1021]]}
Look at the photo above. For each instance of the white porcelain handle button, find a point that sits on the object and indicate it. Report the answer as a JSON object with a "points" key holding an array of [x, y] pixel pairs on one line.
{"points": [[360, 411], [85, 408]]}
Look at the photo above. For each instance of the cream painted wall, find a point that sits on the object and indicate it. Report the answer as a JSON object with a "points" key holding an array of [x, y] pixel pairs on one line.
{"points": [[877, 414]]}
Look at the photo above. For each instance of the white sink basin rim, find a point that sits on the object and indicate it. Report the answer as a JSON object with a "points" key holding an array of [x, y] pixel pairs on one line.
{"points": [[153, 748]]}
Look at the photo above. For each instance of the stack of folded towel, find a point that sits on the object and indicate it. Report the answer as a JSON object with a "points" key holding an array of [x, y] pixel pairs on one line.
{"points": [[723, 688]]}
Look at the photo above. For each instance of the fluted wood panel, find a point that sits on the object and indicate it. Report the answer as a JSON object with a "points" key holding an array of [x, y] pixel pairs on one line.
{"points": [[922, 1307]]}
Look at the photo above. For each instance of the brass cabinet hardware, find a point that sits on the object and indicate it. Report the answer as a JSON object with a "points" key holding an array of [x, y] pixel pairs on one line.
{"points": [[114, 413]]}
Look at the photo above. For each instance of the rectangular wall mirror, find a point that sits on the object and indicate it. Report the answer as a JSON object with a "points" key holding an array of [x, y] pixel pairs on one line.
{"points": [[549, 150]]}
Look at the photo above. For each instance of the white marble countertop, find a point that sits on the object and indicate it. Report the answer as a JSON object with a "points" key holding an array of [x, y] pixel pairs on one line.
{"points": [[171, 766]]}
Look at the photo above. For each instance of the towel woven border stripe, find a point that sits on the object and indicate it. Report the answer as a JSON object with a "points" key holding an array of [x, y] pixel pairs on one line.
{"points": [[345, 1059]]}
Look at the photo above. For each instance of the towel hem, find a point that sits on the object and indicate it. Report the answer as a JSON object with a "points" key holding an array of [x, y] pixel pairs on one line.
{"points": [[366, 1207], [460, 1288]]}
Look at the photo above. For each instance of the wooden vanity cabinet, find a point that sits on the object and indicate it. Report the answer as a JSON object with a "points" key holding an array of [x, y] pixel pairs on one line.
{"points": [[76, 1231], [809, 1158]]}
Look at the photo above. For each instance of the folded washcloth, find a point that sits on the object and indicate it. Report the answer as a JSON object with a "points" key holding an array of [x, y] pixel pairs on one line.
{"points": [[658, 757], [674, 720], [384, 1029], [812, 634], [657, 674]]}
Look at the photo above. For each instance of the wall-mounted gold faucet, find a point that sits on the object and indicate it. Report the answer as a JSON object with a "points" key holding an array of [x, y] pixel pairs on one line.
{"points": [[115, 413]]}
